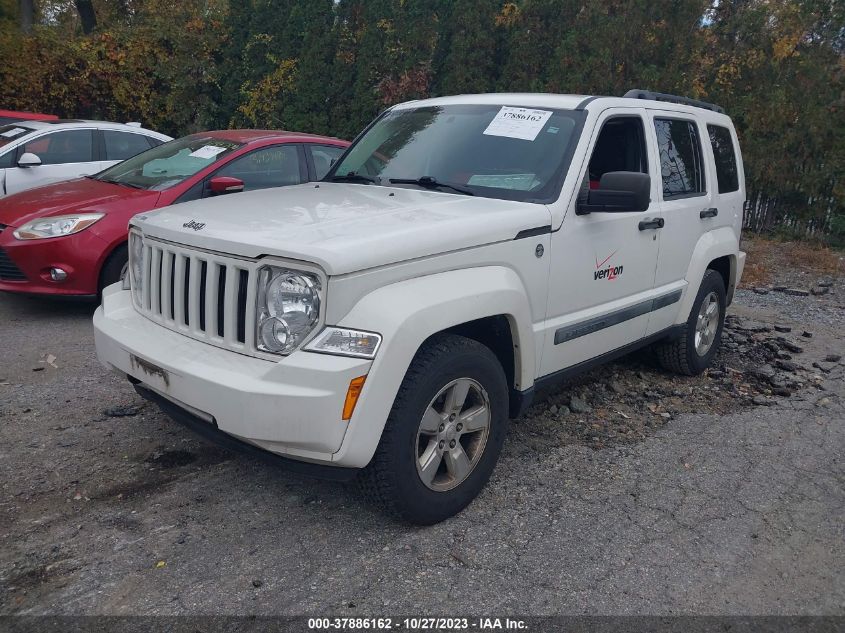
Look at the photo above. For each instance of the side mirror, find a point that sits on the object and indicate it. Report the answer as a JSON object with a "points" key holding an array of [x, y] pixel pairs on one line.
{"points": [[28, 159], [225, 184], [619, 192]]}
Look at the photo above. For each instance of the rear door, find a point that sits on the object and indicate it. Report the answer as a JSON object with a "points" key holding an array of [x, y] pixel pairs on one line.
{"points": [[686, 200], [64, 154]]}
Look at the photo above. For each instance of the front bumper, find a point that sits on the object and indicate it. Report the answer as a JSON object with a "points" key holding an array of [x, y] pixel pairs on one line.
{"points": [[26, 263], [291, 407]]}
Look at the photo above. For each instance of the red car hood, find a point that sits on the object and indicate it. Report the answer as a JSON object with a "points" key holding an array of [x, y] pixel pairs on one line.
{"points": [[83, 195]]}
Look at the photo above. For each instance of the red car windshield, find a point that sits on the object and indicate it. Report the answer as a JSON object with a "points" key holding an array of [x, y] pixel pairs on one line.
{"points": [[168, 164]]}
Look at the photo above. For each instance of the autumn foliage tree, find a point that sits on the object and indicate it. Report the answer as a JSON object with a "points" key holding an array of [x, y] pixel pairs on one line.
{"points": [[330, 66]]}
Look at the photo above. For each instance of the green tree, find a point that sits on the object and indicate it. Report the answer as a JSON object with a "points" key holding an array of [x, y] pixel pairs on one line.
{"points": [[312, 31], [468, 57], [532, 30], [778, 69]]}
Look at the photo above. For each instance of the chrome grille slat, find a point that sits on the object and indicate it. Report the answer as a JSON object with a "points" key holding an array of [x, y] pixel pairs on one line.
{"points": [[166, 285], [155, 283], [182, 292], [194, 295], [251, 291], [229, 305], [179, 289], [211, 299]]}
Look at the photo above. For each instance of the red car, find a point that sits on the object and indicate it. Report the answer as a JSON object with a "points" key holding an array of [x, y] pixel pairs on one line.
{"points": [[69, 238], [13, 116]]}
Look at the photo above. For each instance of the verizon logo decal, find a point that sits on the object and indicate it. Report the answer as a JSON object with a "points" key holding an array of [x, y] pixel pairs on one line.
{"points": [[605, 270]]}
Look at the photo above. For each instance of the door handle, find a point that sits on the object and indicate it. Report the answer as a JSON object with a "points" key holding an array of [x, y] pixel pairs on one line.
{"points": [[654, 223], [712, 212]]}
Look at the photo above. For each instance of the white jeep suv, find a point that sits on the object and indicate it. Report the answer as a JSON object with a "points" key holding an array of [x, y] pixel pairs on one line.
{"points": [[386, 322]]}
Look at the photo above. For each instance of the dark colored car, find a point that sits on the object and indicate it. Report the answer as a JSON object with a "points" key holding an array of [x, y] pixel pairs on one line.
{"points": [[69, 238]]}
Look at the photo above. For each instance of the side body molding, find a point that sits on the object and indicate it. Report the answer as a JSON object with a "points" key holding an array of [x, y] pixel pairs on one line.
{"points": [[406, 314]]}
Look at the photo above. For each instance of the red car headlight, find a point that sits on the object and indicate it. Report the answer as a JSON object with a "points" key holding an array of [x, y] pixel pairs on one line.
{"points": [[56, 226]]}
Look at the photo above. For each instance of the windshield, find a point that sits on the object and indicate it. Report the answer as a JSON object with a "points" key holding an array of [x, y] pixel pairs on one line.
{"points": [[168, 164], [9, 133], [495, 151]]}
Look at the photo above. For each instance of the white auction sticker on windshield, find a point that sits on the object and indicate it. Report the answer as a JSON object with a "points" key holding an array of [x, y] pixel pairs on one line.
{"points": [[207, 151], [13, 132], [523, 123]]}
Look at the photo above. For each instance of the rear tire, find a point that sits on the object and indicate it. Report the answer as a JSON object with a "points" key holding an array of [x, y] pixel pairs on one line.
{"points": [[115, 267], [693, 351], [427, 469]]}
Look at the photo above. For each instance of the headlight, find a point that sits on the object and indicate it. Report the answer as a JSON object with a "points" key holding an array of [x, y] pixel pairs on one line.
{"points": [[288, 308], [136, 265], [56, 226], [344, 342]]}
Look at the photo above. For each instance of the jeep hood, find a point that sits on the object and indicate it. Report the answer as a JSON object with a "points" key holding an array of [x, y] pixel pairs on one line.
{"points": [[342, 227]]}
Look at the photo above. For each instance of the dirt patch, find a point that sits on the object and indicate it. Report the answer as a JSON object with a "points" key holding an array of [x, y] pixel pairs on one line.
{"points": [[149, 484], [29, 576], [172, 459], [775, 262], [757, 364]]}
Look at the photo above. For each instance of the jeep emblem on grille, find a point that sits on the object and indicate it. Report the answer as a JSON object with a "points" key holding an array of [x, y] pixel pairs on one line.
{"points": [[193, 224]]}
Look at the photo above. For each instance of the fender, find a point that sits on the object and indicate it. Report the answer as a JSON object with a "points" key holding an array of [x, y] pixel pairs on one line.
{"points": [[717, 243], [406, 314]]}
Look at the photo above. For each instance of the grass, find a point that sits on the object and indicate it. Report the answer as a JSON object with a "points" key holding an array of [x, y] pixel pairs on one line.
{"points": [[766, 255]]}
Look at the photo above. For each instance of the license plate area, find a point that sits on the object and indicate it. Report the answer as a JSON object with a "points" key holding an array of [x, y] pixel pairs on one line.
{"points": [[149, 372]]}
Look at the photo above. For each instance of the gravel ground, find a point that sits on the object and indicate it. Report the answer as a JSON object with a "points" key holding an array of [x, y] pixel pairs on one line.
{"points": [[629, 491]]}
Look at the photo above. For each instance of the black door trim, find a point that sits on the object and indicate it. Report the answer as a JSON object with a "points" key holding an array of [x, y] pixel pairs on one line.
{"points": [[522, 400], [591, 326], [540, 230]]}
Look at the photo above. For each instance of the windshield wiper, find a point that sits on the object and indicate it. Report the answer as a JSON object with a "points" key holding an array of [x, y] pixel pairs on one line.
{"points": [[353, 177], [119, 182], [430, 183]]}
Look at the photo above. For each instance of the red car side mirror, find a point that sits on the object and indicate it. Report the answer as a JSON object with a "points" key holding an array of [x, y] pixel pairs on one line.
{"points": [[225, 184]]}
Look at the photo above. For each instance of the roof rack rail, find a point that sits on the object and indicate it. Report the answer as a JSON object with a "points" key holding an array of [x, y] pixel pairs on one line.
{"points": [[660, 96]]}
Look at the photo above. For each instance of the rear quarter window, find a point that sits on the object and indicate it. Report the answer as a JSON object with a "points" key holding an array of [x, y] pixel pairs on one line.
{"points": [[724, 155]]}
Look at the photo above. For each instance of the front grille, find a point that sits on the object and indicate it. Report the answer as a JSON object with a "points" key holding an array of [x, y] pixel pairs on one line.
{"points": [[8, 270], [200, 294]]}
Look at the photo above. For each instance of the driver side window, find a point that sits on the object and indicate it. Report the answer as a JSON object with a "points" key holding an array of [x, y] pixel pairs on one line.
{"points": [[620, 147], [275, 166]]}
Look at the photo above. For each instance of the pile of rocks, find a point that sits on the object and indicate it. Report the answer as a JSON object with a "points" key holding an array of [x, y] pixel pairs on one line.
{"points": [[821, 287], [626, 400]]}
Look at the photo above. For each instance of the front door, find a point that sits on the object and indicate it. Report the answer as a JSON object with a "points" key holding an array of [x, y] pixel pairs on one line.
{"points": [[64, 155], [603, 264]]}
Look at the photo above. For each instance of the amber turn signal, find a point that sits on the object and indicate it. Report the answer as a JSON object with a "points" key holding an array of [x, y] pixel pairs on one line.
{"points": [[352, 395]]}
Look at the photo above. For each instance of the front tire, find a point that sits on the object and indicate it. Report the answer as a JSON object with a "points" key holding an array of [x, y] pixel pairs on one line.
{"points": [[693, 351], [115, 268], [444, 433]]}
